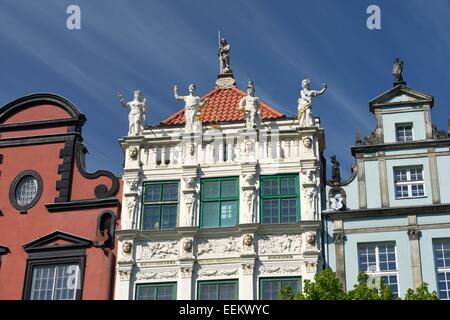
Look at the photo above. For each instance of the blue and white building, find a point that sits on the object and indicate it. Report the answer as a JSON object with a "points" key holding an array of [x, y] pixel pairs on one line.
{"points": [[391, 218]]}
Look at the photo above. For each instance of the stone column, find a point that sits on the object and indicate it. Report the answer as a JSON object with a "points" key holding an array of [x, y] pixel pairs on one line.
{"points": [[383, 183], [434, 178], [246, 283], [414, 247], [361, 182], [339, 242]]}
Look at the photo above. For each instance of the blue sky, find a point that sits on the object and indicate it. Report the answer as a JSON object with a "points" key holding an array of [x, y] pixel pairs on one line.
{"points": [[151, 45]]}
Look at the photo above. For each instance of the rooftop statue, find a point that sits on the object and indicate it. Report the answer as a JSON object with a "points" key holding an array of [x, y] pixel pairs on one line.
{"points": [[305, 116], [251, 106], [397, 72], [138, 109], [191, 108], [224, 56]]}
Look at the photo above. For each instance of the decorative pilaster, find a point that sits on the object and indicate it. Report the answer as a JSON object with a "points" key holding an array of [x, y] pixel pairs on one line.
{"points": [[414, 235], [339, 243]]}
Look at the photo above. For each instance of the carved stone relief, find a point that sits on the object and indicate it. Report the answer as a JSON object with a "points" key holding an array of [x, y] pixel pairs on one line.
{"points": [[276, 244], [159, 250]]}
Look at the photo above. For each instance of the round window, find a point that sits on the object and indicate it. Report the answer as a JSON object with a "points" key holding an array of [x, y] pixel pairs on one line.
{"points": [[25, 190]]}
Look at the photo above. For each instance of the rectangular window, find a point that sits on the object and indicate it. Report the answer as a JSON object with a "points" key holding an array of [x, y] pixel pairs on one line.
{"points": [[409, 182], [280, 199], [269, 288], [219, 202], [159, 205], [442, 265], [55, 282], [218, 290], [380, 260], [403, 132], [156, 291]]}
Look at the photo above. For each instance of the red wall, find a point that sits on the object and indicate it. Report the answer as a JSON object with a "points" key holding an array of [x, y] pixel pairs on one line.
{"points": [[18, 229]]}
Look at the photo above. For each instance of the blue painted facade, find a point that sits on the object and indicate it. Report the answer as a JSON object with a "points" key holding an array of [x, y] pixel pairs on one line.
{"points": [[394, 220]]}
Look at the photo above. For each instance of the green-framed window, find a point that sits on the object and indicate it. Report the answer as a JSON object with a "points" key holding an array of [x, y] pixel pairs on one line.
{"points": [[218, 290], [156, 291], [280, 199], [159, 205], [269, 288], [219, 202]]}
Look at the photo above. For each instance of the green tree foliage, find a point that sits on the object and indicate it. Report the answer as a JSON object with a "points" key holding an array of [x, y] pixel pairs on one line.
{"points": [[421, 293], [326, 286], [367, 290]]}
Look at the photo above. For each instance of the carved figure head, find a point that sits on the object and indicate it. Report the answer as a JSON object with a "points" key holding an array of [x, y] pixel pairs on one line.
{"points": [[187, 245], [192, 88], [307, 142], [311, 238], [133, 152], [248, 240], [126, 247]]}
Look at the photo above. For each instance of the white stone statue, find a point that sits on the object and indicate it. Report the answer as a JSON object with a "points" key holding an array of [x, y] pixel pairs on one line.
{"points": [[305, 116], [191, 108], [138, 109], [251, 107]]}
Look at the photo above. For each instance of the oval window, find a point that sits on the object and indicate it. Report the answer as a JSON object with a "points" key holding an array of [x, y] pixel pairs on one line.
{"points": [[25, 190]]}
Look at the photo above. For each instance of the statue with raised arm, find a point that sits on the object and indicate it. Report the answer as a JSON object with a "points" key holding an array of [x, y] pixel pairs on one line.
{"points": [[251, 107], [224, 56], [138, 109], [305, 117], [397, 72], [191, 108]]}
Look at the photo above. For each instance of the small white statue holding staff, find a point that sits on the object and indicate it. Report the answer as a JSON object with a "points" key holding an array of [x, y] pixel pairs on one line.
{"points": [[305, 117]]}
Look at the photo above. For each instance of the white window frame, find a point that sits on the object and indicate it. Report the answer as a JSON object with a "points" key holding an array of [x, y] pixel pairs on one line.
{"points": [[403, 125], [409, 183], [440, 270], [377, 272]]}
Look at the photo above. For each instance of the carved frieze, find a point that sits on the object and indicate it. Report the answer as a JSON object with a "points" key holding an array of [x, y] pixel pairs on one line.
{"points": [[159, 250], [217, 271], [157, 274], [279, 268], [223, 246], [276, 244]]}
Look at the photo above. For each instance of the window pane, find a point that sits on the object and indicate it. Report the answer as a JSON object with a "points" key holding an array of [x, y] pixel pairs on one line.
{"points": [[208, 291], [55, 282], [147, 293], [170, 192], [270, 289], [166, 292], [228, 213], [442, 254], [270, 186], [444, 285], [227, 291], [288, 210], [151, 217], [169, 216], [288, 185], [367, 258], [392, 282], [211, 190], [229, 189], [270, 211], [26, 190], [210, 214], [152, 193], [293, 284]]}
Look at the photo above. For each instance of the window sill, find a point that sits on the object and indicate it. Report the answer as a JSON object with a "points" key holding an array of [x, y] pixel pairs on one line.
{"points": [[410, 198]]}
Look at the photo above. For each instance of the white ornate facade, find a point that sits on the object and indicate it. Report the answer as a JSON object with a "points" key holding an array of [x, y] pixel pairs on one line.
{"points": [[250, 249]]}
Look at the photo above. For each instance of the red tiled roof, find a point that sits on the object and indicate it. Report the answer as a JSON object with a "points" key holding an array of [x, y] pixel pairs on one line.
{"points": [[223, 106]]}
